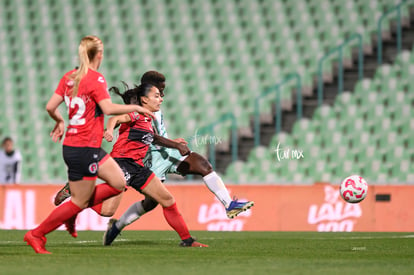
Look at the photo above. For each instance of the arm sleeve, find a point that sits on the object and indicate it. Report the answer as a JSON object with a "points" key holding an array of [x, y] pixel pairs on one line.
{"points": [[100, 91], [18, 168], [134, 116], [159, 124], [17, 171], [60, 90]]}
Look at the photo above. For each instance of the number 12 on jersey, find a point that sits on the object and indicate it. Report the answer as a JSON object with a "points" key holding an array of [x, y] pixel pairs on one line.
{"points": [[76, 118]]}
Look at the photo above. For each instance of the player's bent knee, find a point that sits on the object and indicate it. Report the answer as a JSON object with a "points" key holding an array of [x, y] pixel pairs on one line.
{"points": [[80, 203], [167, 201], [107, 213], [120, 184], [149, 204], [204, 165], [197, 164], [121, 188]]}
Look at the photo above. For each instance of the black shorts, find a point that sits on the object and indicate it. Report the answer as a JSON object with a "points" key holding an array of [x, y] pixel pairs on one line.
{"points": [[83, 162], [136, 176]]}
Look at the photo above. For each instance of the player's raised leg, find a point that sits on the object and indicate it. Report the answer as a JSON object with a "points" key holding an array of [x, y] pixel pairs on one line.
{"points": [[133, 213], [62, 194], [199, 165], [156, 190]]}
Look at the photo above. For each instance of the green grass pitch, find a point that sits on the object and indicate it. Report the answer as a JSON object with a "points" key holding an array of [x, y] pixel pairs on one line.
{"points": [[157, 252]]}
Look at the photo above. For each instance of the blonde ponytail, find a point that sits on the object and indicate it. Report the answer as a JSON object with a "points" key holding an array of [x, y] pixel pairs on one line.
{"points": [[88, 48]]}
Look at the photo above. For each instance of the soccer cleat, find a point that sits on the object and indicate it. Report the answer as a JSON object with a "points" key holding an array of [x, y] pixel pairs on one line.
{"points": [[38, 244], [236, 207], [111, 232], [71, 226], [43, 239], [191, 242], [63, 194]]}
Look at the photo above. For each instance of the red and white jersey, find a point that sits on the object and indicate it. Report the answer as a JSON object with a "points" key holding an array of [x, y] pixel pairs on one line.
{"points": [[86, 119], [134, 138]]}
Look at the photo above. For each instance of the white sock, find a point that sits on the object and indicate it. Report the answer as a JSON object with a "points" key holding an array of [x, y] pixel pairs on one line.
{"points": [[216, 185], [132, 214]]}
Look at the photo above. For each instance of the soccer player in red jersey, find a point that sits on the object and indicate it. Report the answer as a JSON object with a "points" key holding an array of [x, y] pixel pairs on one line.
{"points": [[135, 136], [85, 93], [162, 161]]}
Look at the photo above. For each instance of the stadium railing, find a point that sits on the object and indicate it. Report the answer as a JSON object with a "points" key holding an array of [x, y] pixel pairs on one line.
{"points": [[339, 49], [278, 118], [397, 9], [210, 131]]}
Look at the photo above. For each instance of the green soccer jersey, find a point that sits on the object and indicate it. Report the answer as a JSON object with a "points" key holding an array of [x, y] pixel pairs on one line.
{"points": [[161, 160], [158, 124], [159, 128]]}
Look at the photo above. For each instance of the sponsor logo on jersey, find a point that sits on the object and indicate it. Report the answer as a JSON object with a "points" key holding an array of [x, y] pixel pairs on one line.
{"points": [[148, 138], [101, 79]]}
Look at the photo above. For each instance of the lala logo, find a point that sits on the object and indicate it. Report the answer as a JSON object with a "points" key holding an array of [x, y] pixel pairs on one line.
{"points": [[215, 218], [334, 214]]}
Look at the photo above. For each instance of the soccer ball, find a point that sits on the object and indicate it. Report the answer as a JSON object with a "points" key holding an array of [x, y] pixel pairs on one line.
{"points": [[353, 189]]}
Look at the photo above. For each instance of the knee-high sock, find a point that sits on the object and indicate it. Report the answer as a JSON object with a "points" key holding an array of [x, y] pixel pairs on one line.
{"points": [[97, 208], [176, 221], [102, 192], [216, 185], [69, 209], [134, 212], [55, 219]]}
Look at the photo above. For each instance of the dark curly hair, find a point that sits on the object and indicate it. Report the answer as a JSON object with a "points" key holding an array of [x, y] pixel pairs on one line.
{"points": [[153, 77]]}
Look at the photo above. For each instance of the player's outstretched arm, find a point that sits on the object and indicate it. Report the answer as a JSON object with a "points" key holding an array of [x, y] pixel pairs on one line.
{"points": [[114, 122], [166, 142], [110, 108], [181, 140]]}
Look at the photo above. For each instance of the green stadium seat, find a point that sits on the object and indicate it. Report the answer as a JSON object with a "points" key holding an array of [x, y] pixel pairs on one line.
{"points": [[365, 133], [238, 48]]}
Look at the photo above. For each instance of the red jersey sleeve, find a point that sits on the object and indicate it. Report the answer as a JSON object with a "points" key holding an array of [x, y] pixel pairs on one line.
{"points": [[64, 84], [134, 116], [60, 90], [100, 91]]}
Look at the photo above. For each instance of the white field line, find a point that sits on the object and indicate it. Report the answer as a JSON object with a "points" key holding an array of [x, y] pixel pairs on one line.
{"points": [[4, 242], [365, 237]]}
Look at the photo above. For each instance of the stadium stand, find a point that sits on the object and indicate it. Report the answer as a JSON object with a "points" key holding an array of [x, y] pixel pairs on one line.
{"points": [[217, 56], [366, 132]]}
